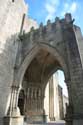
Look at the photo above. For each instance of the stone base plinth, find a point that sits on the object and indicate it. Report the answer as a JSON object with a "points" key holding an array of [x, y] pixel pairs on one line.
{"points": [[39, 119], [37, 124], [78, 122], [13, 120]]}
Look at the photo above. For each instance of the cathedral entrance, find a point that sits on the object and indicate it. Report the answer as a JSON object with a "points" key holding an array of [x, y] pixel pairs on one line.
{"points": [[43, 65], [41, 53]]}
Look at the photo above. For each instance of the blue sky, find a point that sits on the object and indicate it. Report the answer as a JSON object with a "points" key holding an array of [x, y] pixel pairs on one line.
{"points": [[42, 10]]}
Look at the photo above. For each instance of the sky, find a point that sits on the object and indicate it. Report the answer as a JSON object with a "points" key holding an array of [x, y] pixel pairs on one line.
{"points": [[61, 80], [42, 10]]}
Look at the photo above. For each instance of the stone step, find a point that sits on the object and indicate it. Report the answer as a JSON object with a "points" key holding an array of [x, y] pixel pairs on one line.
{"points": [[35, 124], [49, 123]]}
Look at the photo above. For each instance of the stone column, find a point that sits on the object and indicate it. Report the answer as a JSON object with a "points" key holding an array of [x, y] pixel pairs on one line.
{"points": [[13, 117], [34, 106], [51, 99], [14, 110]]}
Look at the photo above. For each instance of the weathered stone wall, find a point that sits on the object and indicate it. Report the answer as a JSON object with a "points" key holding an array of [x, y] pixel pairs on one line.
{"points": [[79, 39], [11, 17], [28, 23], [10, 22], [11, 14], [60, 40]]}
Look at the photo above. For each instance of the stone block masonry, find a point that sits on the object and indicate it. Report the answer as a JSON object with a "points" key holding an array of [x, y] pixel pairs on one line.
{"points": [[11, 14]]}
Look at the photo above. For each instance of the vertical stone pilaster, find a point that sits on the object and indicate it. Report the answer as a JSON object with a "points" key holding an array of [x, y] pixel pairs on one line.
{"points": [[51, 100], [74, 114], [69, 88], [69, 107], [13, 109]]}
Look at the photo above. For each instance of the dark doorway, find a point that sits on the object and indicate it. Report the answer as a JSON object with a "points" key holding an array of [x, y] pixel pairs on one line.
{"points": [[21, 101]]}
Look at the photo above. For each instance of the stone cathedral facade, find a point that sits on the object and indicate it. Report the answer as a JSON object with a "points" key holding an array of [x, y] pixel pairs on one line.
{"points": [[29, 57]]}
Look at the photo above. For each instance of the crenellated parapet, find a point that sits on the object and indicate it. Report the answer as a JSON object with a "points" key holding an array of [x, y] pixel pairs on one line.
{"points": [[52, 34]]}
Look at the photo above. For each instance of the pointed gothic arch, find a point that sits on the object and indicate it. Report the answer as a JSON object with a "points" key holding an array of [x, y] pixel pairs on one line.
{"points": [[58, 42]]}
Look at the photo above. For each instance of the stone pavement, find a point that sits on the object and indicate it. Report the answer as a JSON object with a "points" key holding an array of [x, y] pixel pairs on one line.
{"points": [[61, 122], [56, 123]]}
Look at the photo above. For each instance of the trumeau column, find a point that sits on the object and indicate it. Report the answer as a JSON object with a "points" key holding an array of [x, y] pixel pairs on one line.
{"points": [[34, 106], [51, 99]]}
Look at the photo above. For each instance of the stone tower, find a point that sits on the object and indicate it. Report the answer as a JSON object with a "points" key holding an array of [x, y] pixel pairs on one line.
{"points": [[11, 16]]}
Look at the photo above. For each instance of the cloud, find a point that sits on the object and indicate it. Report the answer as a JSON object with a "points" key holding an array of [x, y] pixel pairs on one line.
{"points": [[73, 7], [51, 8], [69, 7]]}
